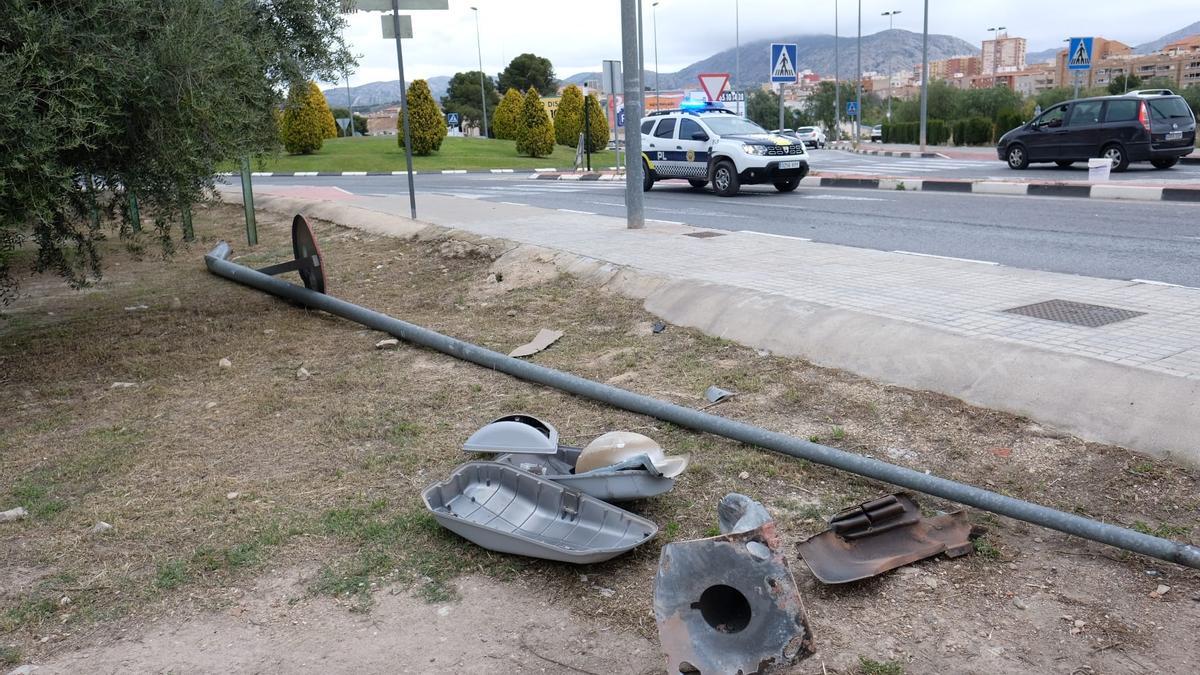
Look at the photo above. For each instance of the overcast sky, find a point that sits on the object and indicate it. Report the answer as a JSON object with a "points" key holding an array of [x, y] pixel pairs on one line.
{"points": [[577, 34]]}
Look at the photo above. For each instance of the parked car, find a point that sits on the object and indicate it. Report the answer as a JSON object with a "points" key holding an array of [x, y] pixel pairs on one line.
{"points": [[813, 137], [1153, 125], [877, 133]]}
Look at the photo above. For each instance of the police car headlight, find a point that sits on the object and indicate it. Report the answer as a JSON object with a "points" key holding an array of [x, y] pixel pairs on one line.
{"points": [[754, 149]]}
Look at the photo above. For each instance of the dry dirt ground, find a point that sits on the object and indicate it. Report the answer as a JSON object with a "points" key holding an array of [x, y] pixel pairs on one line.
{"points": [[266, 522]]}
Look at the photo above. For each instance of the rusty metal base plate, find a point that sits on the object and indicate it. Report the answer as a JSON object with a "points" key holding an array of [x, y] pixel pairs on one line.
{"points": [[729, 604], [1077, 313]]}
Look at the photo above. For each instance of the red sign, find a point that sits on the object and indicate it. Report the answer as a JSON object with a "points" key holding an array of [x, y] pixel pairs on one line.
{"points": [[714, 84]]}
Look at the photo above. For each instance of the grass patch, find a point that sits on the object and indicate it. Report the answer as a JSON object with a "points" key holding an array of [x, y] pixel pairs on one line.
{"points": [[382, 153], [868, 666], [393, 545], [171, 574], [10, 656], [1164, 530], [986, 549]]}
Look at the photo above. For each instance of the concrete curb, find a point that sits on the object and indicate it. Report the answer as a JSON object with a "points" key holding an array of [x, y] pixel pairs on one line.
{"points": [[964, 186], [1140, 409], [304, 174]]}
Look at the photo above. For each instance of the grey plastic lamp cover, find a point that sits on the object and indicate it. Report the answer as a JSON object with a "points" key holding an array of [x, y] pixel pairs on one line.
{"points": [[519, 433], [616, 447]]}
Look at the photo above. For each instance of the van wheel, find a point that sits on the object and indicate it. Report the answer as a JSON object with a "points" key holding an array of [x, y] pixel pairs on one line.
{"points": [[697, 183], [1116, 154], [1064, 163], [647, 177], [1016, 157], [787, 184], [725, 179], [1165, 163]]}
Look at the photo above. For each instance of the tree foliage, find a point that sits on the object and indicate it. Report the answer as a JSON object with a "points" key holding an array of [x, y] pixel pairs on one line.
{"points": [[528, 70], [597, 122], [427, 125], [568, 118], [306, 120], [102, 97], [536, 135], [507, 121], [464, 97], [1123, 83]]}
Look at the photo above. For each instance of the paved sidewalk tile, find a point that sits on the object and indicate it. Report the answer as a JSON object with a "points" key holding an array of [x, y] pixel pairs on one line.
{"points": [[960, 297]]}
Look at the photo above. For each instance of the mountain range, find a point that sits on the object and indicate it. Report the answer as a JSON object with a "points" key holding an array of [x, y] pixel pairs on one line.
{"points": [[885, 52]]}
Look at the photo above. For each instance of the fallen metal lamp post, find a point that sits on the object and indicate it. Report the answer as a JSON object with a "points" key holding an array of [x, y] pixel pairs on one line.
{"points": [[1156, 547]]}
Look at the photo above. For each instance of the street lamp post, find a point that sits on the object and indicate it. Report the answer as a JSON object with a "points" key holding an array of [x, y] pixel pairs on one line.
{"points": [[925, 76], [641, 63], [737, 46], [890, 16], [482, 89], [654, 20], [858, 91], [837, 77]]}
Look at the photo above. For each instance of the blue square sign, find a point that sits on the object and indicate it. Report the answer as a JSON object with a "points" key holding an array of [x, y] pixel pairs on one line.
{"points": [[852, 108], [1079, 55], [783, 62]]}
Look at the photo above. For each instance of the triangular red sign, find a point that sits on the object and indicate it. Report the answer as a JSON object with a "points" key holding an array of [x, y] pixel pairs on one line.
{"points": [[714, 84]]}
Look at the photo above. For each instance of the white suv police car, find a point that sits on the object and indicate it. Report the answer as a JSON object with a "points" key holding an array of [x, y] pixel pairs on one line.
{"points": [[713, 144]]}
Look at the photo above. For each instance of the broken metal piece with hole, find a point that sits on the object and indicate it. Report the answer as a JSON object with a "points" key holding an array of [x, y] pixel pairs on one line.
{"points": [[729, 604], [502, 508], [715, 394], [881, 535], [308, 260], [518, 433]]}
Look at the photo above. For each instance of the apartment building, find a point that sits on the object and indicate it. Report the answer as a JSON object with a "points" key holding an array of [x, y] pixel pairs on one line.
{"points": [[1004, 54]]}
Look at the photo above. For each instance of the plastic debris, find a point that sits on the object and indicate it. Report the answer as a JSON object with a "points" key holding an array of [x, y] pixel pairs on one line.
{"points": [[13, 514], [542, 340]]}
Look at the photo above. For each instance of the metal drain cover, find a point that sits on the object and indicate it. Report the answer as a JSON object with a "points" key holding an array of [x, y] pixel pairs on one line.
{"points": [[707, 234], [1077, 313]]}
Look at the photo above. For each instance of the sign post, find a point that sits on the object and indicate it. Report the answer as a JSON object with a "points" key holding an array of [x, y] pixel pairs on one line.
{"points": [[399, 28], [1079, 57], [783, 69], [610, 86]]}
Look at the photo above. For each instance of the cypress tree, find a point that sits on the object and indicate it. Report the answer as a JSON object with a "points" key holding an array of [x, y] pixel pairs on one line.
{"points": [[597, 139], [317, 99], [507, 120], [302, 128], [568, 119], [536, 135], [426, 123]]}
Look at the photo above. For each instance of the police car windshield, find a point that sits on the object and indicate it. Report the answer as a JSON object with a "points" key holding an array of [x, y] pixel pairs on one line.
{"points": [[728, 125]]}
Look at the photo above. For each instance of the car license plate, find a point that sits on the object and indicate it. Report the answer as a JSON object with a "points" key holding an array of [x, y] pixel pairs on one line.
{"points": [[1174, 135], [789, 165]]}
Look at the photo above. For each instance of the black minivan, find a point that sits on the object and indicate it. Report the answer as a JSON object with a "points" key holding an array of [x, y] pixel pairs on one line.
{"points": [[1152, 125]]}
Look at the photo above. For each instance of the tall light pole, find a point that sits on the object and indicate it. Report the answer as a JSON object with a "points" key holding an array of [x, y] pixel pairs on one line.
{"points": [[635, 215], [482, 90], [924, 76], [737, 46], [654, 20], [837, 77], [641, 63], [858, 94], [995, 52], [890, 15]]}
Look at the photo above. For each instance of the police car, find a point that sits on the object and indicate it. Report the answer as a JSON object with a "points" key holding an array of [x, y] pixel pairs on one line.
{"points": [[708, 143]]}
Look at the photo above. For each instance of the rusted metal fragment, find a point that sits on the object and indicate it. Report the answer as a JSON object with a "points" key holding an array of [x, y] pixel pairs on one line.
{"points": [[881, 535], [729, 604]]}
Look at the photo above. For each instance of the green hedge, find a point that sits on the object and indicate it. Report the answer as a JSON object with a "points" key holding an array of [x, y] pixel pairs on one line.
{"points": [[936, 132], [1005, 122], [973, 131]]}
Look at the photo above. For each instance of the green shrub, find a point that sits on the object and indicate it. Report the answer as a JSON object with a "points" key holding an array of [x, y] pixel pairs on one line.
{"points": [[568, 119], [536, 135], [597, 138], [302, 128], [427, 126], [507, 120], [1006, 121]]}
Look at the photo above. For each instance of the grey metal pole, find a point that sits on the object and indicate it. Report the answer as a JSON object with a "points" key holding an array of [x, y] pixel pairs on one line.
{"points": [[858, 94], [837, 77], [248, 202], [412, 193], [635, 216], [737, 46], [781, 106], [1157, 547], [482, 89], [925, 77], [890, 15], [657, 89], [641, 60]]}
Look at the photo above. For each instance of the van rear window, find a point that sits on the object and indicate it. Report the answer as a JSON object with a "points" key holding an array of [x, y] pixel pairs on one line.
{"points": [[1170, 108]]}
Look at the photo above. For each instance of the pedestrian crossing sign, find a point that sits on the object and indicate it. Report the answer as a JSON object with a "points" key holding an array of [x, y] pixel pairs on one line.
{"points": [[1079, 55], [783, 62]]}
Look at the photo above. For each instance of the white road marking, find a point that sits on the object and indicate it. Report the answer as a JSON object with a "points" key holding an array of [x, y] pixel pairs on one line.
{"points": [[777, 236], [514, 203], [947, 257], [582, 213], [305, 173], [668, 222], [354, 173], [1162, 283], [843, 198]]}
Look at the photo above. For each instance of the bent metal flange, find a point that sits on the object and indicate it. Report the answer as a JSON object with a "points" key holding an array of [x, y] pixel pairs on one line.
{"points": [[1120, 537]]}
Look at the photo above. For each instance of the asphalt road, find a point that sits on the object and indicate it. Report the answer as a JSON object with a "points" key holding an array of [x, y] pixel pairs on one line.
{"points": [[1158, 241], [841, 161]]}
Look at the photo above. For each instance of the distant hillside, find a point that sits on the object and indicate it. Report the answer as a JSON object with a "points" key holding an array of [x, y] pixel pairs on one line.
{"points": [[1044, 56], [1155, 45], [374, 94], [885, 52]]}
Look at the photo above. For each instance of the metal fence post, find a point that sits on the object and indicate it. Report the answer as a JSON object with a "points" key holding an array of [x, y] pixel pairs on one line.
{"points": [[248, 201]]}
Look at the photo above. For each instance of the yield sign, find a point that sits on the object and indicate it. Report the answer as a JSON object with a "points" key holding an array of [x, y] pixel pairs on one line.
{"points": [[714, 84]]}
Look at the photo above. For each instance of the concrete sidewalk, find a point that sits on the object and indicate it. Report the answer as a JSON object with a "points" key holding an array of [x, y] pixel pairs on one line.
{"points": [[923, 322]]}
